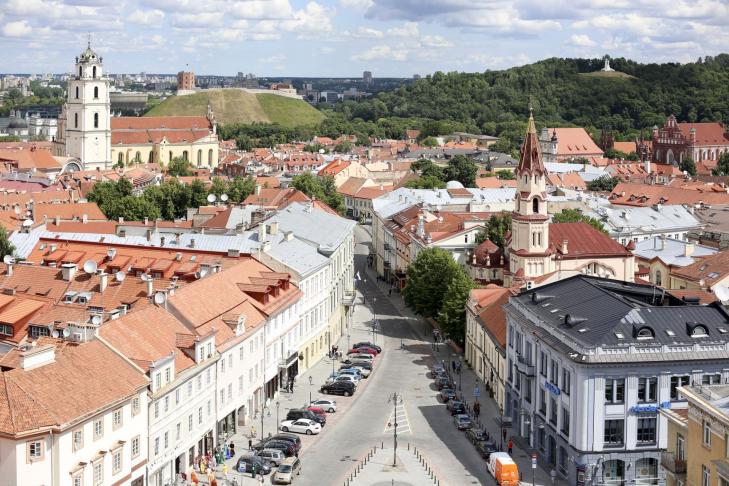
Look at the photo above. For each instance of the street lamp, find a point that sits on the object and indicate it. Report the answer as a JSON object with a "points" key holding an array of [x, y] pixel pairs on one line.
{"points": [[374, 318], [277, 422], [311, 380], [460, 374]]}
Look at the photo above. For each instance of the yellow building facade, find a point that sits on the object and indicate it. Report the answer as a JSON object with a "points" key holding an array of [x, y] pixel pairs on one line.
{"points": [[707, 454]]}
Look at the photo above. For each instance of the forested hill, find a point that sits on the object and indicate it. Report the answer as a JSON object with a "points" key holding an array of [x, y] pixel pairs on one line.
{"points": [[562, 92]]}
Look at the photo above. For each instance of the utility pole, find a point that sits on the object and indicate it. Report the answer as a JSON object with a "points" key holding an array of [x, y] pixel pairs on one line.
{"points": [[395, 400]]}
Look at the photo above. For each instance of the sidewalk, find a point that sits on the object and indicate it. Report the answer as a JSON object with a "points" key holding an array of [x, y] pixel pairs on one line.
{"points": [[408, 471]]}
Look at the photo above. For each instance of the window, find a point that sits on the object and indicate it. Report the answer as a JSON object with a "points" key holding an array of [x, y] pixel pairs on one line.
{"points": [[199, 415], [210, 407], [647, 389], [553, 411], [78, 479], [76, 92], [189, 389], [35, 450], [78, 439], [566, 381], [614, 390], [535, 206], [711, 379], [167, 440], [699, 332], [178, 431], [93, 72], [80, 71], [680, 448], [511, 336], [222, 396], [565, 422], [543, 402], [677, 381], [167, 403], [167, 375], [116, 462], [555, 372], [96, 120], [189, 423], [705, 476], [646, 433], [707, 434], [75, 120], [158, 381], [199, 382], [117, 418], [614, 433], [222, 366], [177, 396], [230, 391], [96, 92], [135, 447], [543, 363], [156, 409], [99, 471], [98, 429], [135, 406]]}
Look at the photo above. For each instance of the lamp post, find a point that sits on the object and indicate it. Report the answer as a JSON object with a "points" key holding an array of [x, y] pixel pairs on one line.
{"points": [[374, 319], [277, 422], [311, 380], [348, 345], [460, 373]]}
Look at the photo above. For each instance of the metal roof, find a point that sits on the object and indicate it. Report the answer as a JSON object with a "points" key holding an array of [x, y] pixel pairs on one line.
{"points": [[671, 251], [326, 230], [644, 219]]}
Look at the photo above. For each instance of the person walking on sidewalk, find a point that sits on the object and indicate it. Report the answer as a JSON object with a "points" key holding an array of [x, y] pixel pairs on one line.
{"points": [[510, 446], [553, 475], [477, 409]]}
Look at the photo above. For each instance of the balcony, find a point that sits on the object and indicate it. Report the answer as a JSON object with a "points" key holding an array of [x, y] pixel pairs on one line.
{"points": [[348, 297], [672, 464], [523, 367]]}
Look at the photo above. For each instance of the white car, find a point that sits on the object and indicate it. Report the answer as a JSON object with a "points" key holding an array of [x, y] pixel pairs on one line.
{"points": [[363, 371], [330, 406], [301, 426], [351, 372], [350, 378], [361, 356]]}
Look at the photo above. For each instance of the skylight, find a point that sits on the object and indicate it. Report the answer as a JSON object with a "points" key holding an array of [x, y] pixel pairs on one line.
{"points": [[670, 333], [620, 335], [713, 275], [722, 330]]}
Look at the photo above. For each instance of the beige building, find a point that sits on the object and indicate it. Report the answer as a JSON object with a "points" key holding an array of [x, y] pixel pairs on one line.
{"points": [[673, 459], [707, 454], [486, 339]]}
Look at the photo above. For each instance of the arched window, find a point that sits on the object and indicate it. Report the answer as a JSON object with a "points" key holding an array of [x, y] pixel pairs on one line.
{"points": [[535, 206], [199, 158], [613, 471], [646, 471], [80, 71], [93, 72], [659, 279], [76, 92], [138, 157], [75, 120], [170, 155], [150, 159], [699, 331], [210, 157], [96, 92], [184, 155], [96, 120], [644, 333], [120, 159]]}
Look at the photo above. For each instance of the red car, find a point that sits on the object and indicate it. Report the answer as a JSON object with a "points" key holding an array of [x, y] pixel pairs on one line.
{"points": [[319, 411], [363, 350]]}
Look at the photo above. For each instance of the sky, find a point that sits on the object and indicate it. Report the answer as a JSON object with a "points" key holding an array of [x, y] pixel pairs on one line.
{"points": [[342, 38]]}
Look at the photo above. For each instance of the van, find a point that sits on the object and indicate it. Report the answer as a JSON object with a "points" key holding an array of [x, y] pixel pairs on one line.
{"points": [[503, 468], [285, 473]]}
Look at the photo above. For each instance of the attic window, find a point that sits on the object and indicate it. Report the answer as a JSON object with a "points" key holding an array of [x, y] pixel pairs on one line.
{"points": [[620, 335], [670, 332], [699, 331], [713, 275], [644, 333], [702, 268]]}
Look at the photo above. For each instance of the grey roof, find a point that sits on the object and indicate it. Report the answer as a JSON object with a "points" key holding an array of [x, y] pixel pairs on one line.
{"points": [[643, 219], [298, 255], [400, 199], [25, 242], [671, 251], [595, 312], [241, 215], [321, 228]]}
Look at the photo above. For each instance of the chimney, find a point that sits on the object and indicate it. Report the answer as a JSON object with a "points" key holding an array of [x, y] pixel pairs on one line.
{"points": [[68, 271], [692, 133], [258, 189], [192, 242], [421, 225], [273, 227], [84, 218], [103, 281], [57, 220], [261, 232], [288, 235], [150, 287], [37, 356], [146, 221], [121, 220], [564, 246], [9, 271], [661, 242], [688, 249], [149, 234], [266, 246]]}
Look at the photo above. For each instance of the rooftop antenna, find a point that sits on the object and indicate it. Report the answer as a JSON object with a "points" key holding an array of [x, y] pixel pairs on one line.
{"points": [[119, 276]]}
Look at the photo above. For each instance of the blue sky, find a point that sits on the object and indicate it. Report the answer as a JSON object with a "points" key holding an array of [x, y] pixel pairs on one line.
{"points": [[345, 37]]}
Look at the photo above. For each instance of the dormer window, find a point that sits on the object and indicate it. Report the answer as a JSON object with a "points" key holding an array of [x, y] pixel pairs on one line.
{"points": [[696, 330], [644, 333]]}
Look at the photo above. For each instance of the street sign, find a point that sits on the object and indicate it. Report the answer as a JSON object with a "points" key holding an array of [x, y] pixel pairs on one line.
{"points": [[476, 392], [534, 460]]}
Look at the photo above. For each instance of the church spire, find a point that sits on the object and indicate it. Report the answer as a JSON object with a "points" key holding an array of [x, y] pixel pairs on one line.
{"points": [[530, 158]]}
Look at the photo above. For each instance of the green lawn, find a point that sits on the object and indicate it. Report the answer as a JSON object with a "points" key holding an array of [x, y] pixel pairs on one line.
{"points": [[288, 111]]}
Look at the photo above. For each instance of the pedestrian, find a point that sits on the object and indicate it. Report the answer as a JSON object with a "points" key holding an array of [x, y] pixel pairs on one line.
{"points": [[477, 409], [510, 446], [553, 475], [253, 471], [453, 365], [389, 292], [250, 444], [232, 449]]}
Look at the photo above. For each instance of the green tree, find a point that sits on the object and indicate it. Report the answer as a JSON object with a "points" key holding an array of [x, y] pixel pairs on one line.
{"points": [[322, 188], [429, 142], [687, 165], [504, 174], [426, 182], [452, 314], [179, 167], [722, 166], [428, 279], [604, 183], [462, 169], [497, 227], [6, 248], [576, 216], [343, 147], [240, 188], [313, 147], [244, 142]]}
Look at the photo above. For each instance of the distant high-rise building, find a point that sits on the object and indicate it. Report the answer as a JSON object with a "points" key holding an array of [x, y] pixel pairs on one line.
{"points": [[367, 77], [416, 76], [185, 80]]}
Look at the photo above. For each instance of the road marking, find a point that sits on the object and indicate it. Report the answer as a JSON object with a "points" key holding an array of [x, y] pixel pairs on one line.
{"points": [[399, 416]]}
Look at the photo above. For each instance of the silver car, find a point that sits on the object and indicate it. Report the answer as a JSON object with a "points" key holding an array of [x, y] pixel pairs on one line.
{"points": [[462, 421], [274, 456]]}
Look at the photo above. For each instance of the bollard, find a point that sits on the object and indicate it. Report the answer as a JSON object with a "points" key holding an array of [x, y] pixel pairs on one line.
{"points": [[382, 445]]}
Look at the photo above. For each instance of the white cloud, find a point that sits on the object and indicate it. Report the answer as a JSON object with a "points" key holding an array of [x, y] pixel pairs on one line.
{"points": [[365, 33], [275, 59], [356, 4], [201, 20], [383, 52], [436, 41], [262, 9], [314, 19], [17, 29], [147, 17], [582, 40], [410, 29]]}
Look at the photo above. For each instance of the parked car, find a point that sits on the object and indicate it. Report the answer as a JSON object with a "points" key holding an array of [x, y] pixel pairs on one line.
{"points": [[363, 350], [447, 394], [351, 371], [361, 357], [363, 363], [292, 438], [326, 404], [462, 421], [274, 456], [286, 471], [288, 448], [296, 414], [456, 407], [246, 462], [365, 372], [444, 382], [437, 369], [477, 435], [486, 448], [350, 378], [317, 410], [301, 426], [338, 388], [367, 344]]}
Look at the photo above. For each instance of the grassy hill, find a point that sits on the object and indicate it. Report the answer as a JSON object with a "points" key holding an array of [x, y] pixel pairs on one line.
{"points": [[237, 106], [607, 74]]}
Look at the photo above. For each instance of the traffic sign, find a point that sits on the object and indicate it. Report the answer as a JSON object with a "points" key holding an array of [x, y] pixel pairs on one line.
{"points": [[477, 392], [534, 460]]}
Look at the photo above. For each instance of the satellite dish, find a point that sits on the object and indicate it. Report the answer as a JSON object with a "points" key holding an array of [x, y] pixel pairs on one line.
{"points": [[203, 272], [321, 151], [159, 298], [721, 292], [55, 334], [119, 276], [8, 260], [198, 275], [66, 332], [96, 320], [144, 277], [27, 223], [16, 210], [90, 266], [223, 197], [211, 198]]}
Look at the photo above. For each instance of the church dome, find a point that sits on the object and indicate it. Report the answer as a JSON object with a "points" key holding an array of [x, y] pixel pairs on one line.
{"points": [[454, 185], [17, 122]]}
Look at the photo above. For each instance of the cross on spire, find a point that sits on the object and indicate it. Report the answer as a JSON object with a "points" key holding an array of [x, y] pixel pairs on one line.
{"points": [[89, 40]]}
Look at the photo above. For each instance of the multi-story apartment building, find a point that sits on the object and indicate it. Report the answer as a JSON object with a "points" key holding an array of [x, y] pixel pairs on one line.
{"points": [[65, 421], [591, 361]]}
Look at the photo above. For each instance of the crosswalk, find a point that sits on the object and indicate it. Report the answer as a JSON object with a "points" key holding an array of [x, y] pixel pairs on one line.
{"points": [[398, 416]]}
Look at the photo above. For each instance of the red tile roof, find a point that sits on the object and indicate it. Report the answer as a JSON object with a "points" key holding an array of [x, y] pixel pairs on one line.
{"points": [[706, 133], [648, 195], [67, 212], [29, 159], [574, 142], [489, 307], [583, 241], [334, 167], [157, 122]]}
